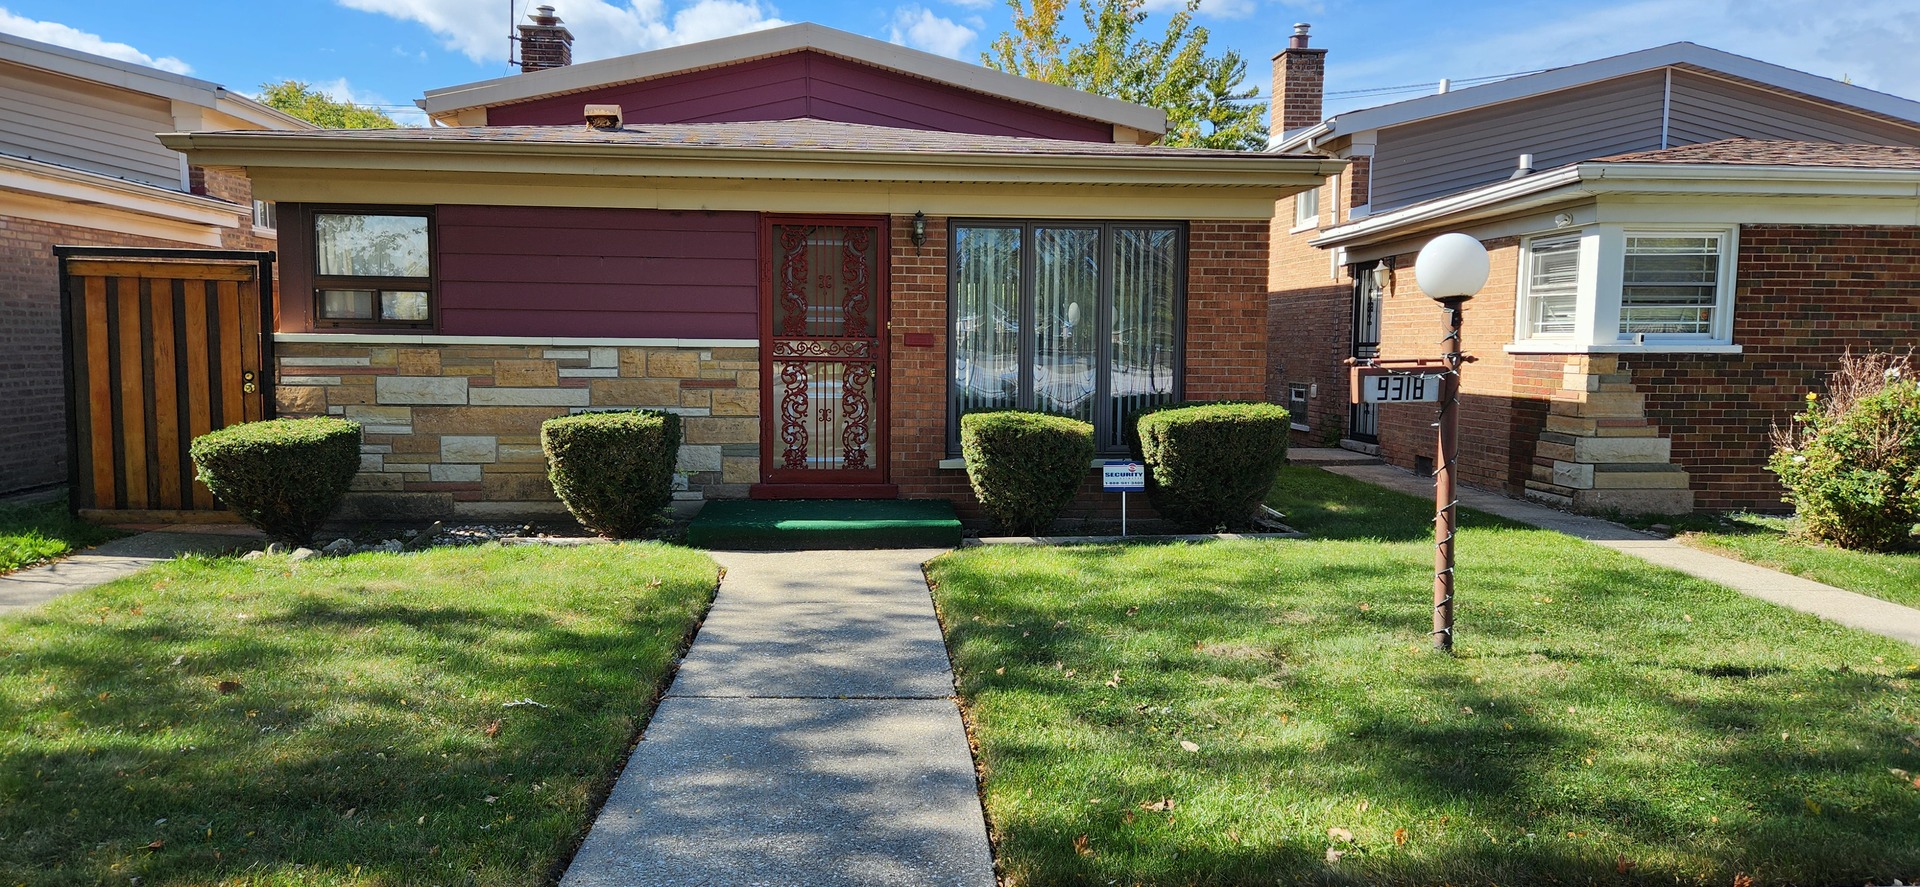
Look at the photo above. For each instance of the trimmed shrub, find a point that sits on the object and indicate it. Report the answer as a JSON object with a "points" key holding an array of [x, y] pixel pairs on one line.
{"points": [[1210, 465], [1851, 462], [614, 471], [1025, 467], [284, 476]]}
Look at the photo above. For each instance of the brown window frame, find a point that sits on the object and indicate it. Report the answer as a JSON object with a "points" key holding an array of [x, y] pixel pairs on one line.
{"points": [[323, 282]]}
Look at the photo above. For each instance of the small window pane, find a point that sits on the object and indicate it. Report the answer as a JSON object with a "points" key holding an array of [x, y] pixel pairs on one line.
{"points": [[266, 214], [1306, 207], [1670, 284], [346, 304], [370, 246], [1553, 284], [403, 306], [986, 324], [1066, 287], [1146, 294]]}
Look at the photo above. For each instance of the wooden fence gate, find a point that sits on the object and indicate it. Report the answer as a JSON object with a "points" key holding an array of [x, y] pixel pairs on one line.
{"points": [[161, 345]]}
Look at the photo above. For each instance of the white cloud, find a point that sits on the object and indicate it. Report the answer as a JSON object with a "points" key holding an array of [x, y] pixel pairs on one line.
{"points": [[402, 113], [972, 4], [918, 27], [74, 38], [1209, 8], [600, 29]]}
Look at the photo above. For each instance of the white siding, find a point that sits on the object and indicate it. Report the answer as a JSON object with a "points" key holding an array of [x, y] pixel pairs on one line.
{"points": [[86, 126]]}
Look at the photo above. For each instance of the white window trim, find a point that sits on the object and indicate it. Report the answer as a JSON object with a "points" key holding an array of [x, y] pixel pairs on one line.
{"points": [[1310, 224], [1597, 306]]}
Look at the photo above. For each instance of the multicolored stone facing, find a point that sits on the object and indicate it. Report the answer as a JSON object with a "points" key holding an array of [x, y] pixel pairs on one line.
{"points": [[454, 429], [1599, 452]]}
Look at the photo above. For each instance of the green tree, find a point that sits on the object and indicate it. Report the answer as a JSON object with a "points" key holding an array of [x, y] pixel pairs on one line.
{"points": [[1206, 105], [309, 104]]}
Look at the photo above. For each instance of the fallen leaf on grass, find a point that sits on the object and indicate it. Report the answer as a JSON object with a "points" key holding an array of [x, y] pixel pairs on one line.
{"points": [[1160, 806], [1623, 865], [1357, 808], [156, 845], [1339, 834], [1399, 837], [1233, 836], [1081, 846], [1189, 745], [227, 687], [493, 729], [1334, 855], [1743, 880]]}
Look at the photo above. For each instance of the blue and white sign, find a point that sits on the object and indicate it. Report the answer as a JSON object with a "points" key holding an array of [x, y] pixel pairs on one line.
{"points": [[1122, 476]]}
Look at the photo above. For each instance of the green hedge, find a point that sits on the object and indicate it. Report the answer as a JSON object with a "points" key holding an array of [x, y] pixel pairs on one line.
{"points": [[1210, 465], [284, 476], [1025, 467], [1853, 471], [614, 471]]}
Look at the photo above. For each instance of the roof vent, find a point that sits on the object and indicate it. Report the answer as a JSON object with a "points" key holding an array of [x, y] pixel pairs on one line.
{"points": [[1524, 168], [605, 118]]}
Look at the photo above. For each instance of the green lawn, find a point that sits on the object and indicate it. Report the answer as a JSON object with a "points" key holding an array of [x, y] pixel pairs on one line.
{"points": [[1272, 712], [349, 721], [30, 534], [1770, 542]]}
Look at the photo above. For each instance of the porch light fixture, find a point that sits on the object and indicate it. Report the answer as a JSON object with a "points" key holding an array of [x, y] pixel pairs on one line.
{"points": [[1383, 275], [919, 230], [1450, 269]]}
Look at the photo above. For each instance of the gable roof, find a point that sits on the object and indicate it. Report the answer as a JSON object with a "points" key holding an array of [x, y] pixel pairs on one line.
{"points": [[1682, 55], [446, 102], [143, 79]]}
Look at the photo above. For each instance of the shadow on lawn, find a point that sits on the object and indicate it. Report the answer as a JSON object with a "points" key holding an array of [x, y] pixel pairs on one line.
{"points": [[361, 739], [1586, 729]]}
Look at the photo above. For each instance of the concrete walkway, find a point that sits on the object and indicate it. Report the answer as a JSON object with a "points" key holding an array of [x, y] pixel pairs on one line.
{"points": [[1827, 602], [102, 564], [810, 738]]}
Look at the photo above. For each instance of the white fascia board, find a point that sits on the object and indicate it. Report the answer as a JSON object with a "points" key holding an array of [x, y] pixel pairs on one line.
{"points": [[779, 41], [1588, 180], [78, 186], [1571, 76], [100, 69], [264, 149]]}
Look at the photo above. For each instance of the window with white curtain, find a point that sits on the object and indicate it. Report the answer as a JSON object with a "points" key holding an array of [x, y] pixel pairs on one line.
{"points": [[1079, 319]]}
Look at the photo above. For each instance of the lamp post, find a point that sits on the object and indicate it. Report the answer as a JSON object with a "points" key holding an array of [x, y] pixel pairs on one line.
{"points": [[1450, 269]]}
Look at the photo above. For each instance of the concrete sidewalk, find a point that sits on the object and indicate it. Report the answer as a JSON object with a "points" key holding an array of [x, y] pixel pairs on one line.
{"points": [[1827, 602], [810, 738], [104, 563]]}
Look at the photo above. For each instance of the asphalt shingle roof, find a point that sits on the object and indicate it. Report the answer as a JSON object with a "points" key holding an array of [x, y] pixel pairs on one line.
{"points": [[1757, 152]]}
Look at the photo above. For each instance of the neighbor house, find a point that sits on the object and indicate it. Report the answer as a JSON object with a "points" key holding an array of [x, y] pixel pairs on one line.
{"points": [[80, 165], [1683, 243], [818, 248]]}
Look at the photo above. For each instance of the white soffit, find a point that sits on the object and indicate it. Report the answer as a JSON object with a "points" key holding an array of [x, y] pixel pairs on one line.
{"points": [[780, 41], [1706, 59]]}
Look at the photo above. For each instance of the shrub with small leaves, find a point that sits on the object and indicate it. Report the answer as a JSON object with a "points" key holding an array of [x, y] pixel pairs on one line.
{"points": [[1851, 461], [1025, 467], [614, 471], [1210, 465], [284, 476]]}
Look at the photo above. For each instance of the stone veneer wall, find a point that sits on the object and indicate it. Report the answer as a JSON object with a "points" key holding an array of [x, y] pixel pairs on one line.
{"points": [[453, 429]]}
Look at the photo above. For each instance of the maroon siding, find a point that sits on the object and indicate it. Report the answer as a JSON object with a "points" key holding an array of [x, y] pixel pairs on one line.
{"points": [[807, 85], [555, 271]]}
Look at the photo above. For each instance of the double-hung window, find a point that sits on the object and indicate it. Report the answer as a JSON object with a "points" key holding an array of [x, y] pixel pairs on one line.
{"points": [[1079, 319], [1306, 209], [1670, 283], [373, 268], [1552, 286]]}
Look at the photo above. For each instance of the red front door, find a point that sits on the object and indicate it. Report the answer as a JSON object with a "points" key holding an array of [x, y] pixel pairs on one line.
{"points": [[823, 358]]}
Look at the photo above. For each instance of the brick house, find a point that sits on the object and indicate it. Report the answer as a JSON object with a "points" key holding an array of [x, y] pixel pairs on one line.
{"points": [[818, 248], [79, 165], [1683, 241]]}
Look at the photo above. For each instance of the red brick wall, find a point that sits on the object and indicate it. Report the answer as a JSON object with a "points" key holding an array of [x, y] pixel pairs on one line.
{"points": [[33, 425], [1309, 328], [1805, 294], [1226, 357]]}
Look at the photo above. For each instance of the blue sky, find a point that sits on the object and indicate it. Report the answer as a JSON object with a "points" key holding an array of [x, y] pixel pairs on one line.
{"points": [[387, 52]]}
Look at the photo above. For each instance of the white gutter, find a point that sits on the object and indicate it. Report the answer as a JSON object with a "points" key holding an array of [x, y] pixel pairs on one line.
{"points": [[1587, 180], [79, 186]]}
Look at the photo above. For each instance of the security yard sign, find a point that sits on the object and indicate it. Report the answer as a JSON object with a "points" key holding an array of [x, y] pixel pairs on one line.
{"points": [[1121, 476]]}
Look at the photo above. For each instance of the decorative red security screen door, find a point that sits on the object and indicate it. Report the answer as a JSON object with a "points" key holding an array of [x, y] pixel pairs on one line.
{"points": [[823, 326]]}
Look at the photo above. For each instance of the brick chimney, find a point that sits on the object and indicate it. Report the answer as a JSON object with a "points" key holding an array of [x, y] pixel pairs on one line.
{"points": [[546, 43], [1299, 78]]}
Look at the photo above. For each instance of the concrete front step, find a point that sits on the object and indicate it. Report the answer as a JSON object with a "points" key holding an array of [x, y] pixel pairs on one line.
{"points": [[1591, 427], [1561, 447], [1612, 476], [795, 524]]}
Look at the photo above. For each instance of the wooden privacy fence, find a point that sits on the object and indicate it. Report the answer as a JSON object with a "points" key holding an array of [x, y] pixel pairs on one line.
{"points": [[161, 346]]}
